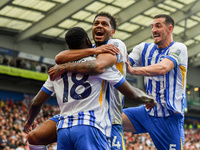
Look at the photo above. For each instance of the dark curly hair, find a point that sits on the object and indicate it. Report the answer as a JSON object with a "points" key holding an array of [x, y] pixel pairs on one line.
{"points": [[113, 20], [75, 37]]}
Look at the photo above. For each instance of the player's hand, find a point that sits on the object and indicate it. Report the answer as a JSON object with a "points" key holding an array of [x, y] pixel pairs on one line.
{"points": [[107, 48], [28, 127], [128, 67], [149, 105], [149, 101], [143, 98], [55, 71]]}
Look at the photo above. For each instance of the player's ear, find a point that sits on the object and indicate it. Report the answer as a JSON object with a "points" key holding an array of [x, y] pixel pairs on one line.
{"points": [[170, 28], [89, 43], [112, 32]]}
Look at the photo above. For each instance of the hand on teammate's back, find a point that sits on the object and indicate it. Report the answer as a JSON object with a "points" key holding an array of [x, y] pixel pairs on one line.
{"points": [[56, 71]]}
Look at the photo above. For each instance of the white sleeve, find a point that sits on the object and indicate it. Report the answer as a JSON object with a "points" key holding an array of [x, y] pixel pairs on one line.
{"points": [[122, 57], [135, 55], [113, 76], [48, 87], [178, 54]]}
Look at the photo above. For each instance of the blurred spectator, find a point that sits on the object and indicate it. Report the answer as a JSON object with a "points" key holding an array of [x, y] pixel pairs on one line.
{"points": [[43, 68], [12, 121], [12, 62], [37, 67], [20, 146], [24, 64], [2, 142], [1, 103], [5, 60], [18, 62], [32, 66], [27, 64], [1, 58]]}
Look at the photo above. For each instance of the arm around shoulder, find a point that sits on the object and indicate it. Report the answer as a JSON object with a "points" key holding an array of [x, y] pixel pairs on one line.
{"points": [[104, 61], [72, 55]]}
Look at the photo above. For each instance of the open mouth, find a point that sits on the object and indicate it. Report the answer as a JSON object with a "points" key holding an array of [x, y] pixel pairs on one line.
{"points": [[99, 33], [155, 36]]}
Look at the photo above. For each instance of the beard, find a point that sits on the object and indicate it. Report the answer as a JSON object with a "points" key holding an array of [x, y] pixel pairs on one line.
{"points": [[99, 43]]}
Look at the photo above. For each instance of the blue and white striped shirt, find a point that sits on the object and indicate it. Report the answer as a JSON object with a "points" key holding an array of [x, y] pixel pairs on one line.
{"points": [[168, 90]]}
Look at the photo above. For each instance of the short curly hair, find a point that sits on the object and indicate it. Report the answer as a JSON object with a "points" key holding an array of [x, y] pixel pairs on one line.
{"points": [[113, 20], [75, 37]]}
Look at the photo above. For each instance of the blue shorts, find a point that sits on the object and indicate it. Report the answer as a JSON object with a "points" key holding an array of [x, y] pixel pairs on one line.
{"points": [[117, 138], [81, 137], [55, 118], [166, 132]]}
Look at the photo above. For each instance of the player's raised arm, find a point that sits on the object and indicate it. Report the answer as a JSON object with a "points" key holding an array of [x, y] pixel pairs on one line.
{"points": [[72, 55], [97, 66]]}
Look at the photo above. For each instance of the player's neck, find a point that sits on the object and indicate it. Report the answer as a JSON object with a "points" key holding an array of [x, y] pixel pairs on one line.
{"points": [[165, 44]]}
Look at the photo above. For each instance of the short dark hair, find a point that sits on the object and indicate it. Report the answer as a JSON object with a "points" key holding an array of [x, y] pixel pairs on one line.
{"points": [[168, 19], [113, 20], [76, 37]]}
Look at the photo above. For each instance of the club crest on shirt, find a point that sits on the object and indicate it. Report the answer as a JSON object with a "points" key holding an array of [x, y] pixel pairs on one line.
{"points": [[178, 52], [116, 44]]}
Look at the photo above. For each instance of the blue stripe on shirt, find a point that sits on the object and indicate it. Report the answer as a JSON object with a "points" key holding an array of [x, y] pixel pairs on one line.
{"points": [[157, 96], [174, 87], [144, 53], [117, 58], [167, 90], [151, 54], [81, 118], [61, 122], [148, 86], [92, 118], [70, 121], [65, 92]]}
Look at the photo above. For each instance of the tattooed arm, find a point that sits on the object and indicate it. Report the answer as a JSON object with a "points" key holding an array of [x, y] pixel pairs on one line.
{"points": [[97, 66]]}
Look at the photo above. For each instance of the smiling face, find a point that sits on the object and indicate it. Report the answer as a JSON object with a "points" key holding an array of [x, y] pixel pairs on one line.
{"points": [[102, 30], [161, 32]]}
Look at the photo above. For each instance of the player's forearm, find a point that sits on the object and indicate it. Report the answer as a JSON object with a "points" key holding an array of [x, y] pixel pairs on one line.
{"points": [[136, 94], [153, 70], [126, 90], [89, 67], [36, 105], [72, 55], [33, 112]]}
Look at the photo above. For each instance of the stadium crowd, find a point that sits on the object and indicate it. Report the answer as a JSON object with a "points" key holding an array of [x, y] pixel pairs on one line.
{"points": [[18, 62], [14, 113]]}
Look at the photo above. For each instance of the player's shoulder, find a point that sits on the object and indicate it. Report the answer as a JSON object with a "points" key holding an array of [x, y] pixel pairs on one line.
{"points": [[89, 58], [143, 44], [146, 44], [180, 45], [116, 42]]}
